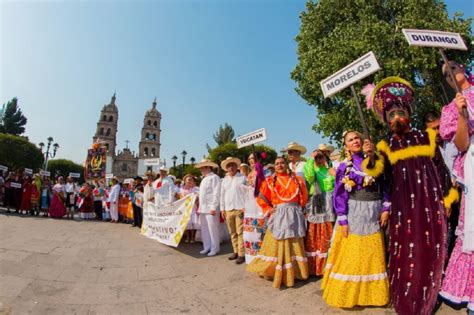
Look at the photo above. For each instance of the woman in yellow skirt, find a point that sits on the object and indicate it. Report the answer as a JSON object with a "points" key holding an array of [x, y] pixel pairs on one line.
{"points": [[282, 256], [355, 272]]}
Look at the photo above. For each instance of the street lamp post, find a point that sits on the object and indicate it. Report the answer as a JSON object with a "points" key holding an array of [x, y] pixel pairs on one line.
{"points": [[184, 157], [193, 160], [174, 158], [48, 154]]}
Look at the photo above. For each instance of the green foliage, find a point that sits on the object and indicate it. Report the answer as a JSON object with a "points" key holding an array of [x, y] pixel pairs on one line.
{"points": [[333, 33], [62, 167], [224, 135], [17, 152], [220, 153], [12, 120], [188, 169]]}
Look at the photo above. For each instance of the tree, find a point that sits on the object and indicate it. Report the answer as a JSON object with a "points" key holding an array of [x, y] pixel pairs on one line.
{"points": [[224, 135], [333, 33], [188, 169], [62, 167], [12, 120], [17, 153]]}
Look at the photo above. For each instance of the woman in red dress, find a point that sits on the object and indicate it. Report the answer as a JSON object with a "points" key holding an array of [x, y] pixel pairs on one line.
{"points": [[26, 195]]}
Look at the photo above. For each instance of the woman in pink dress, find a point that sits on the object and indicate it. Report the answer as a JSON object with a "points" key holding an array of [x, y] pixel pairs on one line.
{"points": [[458, 284], [57, 209]]}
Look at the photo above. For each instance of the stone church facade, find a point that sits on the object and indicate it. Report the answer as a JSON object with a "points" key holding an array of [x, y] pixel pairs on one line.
{"points": [[126, 163]]}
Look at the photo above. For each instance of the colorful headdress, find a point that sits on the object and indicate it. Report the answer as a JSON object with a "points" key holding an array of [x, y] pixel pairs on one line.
{"points": [[391, 92]]}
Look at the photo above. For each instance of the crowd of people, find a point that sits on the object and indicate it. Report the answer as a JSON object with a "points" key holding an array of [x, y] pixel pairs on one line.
{"points": [[391, 223]]}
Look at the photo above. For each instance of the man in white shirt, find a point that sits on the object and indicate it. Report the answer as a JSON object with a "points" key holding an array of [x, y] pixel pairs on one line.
{"points": [[295, 151], [164, 188], [209, 192], [233, 205], [114, 200]]}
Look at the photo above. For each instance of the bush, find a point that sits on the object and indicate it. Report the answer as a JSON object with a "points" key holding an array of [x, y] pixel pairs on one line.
{"points": [[17, 153]]}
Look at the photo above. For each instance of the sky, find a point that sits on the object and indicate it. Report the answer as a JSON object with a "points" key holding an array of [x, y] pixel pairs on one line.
{"points": [[207, 63]]}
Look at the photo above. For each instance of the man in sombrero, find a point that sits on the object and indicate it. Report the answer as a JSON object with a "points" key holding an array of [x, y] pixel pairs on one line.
{"points": [[417, 213], [209, 193], [233, 189]]}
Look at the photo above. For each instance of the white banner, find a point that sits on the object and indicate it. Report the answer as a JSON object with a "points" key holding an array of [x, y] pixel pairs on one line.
{"points": [[152, 162], [28, 171], [167, 223], [350, 74], [75, 175], [429, 38], [252, 138], [15, 185], [45, 173]]}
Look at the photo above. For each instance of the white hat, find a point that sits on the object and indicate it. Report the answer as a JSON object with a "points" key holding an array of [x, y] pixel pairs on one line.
{"points": [[297, 147], [164, 168], [206, 162], [230, 160], [325, 147]]}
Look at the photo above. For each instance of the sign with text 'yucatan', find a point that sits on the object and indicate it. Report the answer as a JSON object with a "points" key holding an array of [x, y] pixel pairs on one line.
{"points": [[75, 175], [45, 173], [356, 71], [252, 138], [152, 162], [429, 38]]}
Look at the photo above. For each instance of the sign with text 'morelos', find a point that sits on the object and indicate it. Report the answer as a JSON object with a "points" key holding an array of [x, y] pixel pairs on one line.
{"points": [[356, 71], [252, 138], [152, 162], [429, 38]]}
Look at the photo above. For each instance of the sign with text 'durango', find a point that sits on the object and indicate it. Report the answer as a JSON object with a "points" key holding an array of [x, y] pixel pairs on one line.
{"points": [[356, 71], [251, 138], [428, 38]]}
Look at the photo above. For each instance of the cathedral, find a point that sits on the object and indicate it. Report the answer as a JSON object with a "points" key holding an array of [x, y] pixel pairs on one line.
{"points": [[127, 163]]}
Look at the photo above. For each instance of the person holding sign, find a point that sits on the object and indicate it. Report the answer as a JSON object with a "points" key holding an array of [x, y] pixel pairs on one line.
{"points": [[282, 256], [458, 284], [209, 193], [232, 205], [113, 200], [355, 272], [417, 215], [57, 209]]}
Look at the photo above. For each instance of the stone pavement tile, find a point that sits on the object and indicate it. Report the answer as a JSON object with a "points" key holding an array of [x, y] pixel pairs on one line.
{"points": [[43, 272], [179, 304], [44, 259], [156, 272], [79, 274], [65, 251], [118, 275], [12, 268], [135, 309], [46, 291], [52, 309], [14, 255], [69, 261], [92, 293], [23, 306], [11, 286]]}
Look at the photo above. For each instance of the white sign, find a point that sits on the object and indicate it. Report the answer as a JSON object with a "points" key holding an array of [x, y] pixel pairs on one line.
{"points": [[429, 38], [151, 162], [356, 71], [167, 224], [28, 171], [109, 176], [128, 180], [45, 173], [75, 175], [3, 168], [252, 138], [15, 185]]}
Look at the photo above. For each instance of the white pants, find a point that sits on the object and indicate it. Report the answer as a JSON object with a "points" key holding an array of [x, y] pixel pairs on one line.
{"points": [[114, 211], [210, 232]]}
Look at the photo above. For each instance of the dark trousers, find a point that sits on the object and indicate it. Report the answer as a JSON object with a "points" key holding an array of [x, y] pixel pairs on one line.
{"points": [[98, 209], [137, 215]]}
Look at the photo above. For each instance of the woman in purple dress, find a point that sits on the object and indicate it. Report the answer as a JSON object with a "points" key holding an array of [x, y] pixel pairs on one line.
{"points": [[417, 217]]}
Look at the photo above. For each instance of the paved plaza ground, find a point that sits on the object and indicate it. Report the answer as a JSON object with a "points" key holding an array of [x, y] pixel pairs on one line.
{"points": [[50, 266]]}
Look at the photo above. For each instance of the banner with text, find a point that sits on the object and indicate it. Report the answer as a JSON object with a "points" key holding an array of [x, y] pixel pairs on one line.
{"points": [[167, 223]]}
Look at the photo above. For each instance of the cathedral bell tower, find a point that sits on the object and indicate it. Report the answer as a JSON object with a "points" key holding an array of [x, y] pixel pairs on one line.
{"points": [[149, 146], [106, 132]]}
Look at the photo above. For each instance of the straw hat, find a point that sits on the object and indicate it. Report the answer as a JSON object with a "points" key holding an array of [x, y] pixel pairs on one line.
{"points": [[164, 168], [325, 147], [296, 146], [206, 162], [230, 160]]}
